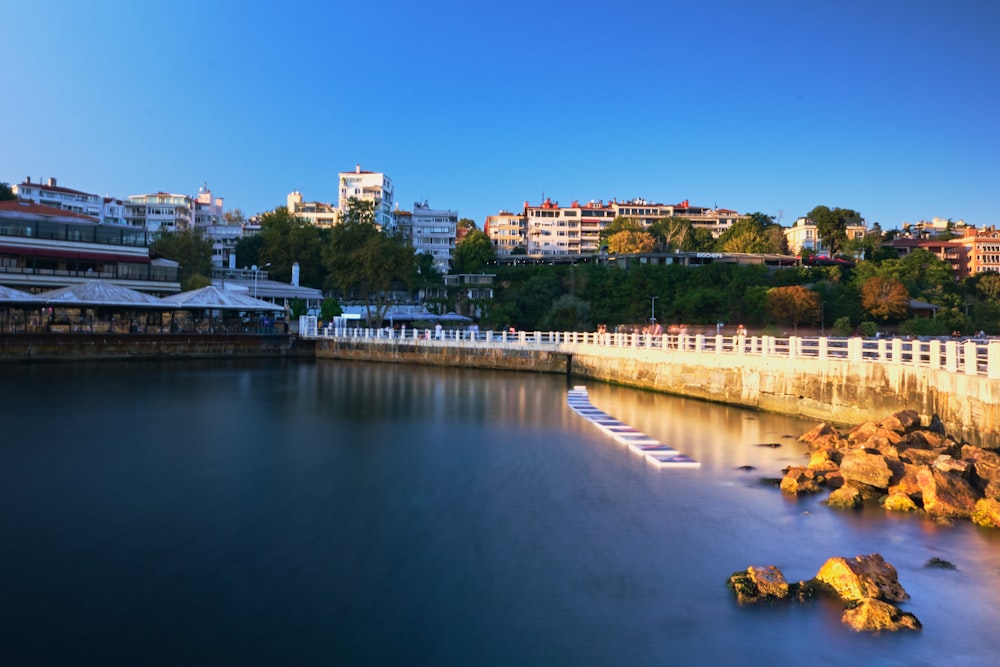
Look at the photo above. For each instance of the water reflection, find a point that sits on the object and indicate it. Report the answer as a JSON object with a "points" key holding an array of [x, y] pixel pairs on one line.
{"points": [[275, 513]]}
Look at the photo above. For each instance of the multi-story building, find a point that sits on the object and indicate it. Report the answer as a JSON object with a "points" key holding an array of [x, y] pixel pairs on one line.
{"points": [[159, 212], [368, 186], [207, 209], [317, 213], [983, 248], [954, 253], [113, 212], [508, 231], [935, 228], [803, 235], [552, 230], [715, 220], [430, 231], [549, 229], [44, 247], [50, 194]]}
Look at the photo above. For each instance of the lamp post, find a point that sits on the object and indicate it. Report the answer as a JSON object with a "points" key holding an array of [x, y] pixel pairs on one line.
{"points": [[256, 269], [652, 309]]}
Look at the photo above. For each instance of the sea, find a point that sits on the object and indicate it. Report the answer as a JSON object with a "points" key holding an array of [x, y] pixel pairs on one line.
{"points": [[275, 512]]}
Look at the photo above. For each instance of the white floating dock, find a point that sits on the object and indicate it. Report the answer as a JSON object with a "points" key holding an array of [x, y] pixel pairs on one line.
{"points": [[655, 452]]}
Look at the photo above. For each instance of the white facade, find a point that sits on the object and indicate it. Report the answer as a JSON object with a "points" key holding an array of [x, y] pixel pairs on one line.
{"points": [[50, 194], [160, 212], [113, 212], [368, 186], [207, 210], [432, 231], [223, 239]]}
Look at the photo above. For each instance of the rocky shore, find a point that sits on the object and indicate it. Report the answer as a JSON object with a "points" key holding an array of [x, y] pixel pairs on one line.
{"points": [[867, 585], [903, 465]]}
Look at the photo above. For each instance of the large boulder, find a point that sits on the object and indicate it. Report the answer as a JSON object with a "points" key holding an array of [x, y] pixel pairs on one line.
{"points": [[987, 513], [866, 466], [860, 578], [823, 436], [985, 465], [799, 479], [897, 501], [876, 616], [946, 495], [846, 497], [759, 584]]}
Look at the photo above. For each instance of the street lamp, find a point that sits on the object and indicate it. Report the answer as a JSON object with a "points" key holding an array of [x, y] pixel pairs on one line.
{"points": [[256, 269], [652, 309]]}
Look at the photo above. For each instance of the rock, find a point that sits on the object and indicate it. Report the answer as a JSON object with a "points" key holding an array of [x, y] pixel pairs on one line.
{"points": [[936, 425], [945, 495], [876, 616], [922, 439], [745, 468], [872, 434], [940, 564], [846, 497], [861, 577], [905, 481], [985, 465], [897, 501], [987, 513], [922, 457], [824, 458], [992, 490], [953, 466], [759, 584], [798, 480], [867, 467], [823, 435]]}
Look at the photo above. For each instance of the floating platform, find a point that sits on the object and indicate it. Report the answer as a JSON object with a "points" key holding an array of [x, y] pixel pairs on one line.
{"points": [[655, 452]]}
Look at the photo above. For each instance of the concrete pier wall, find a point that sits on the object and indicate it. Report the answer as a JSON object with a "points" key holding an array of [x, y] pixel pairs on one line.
{"points": [[838, 391]]}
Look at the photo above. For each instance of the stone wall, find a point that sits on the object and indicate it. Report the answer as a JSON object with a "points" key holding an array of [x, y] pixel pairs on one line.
{"points": [[838, 391]]}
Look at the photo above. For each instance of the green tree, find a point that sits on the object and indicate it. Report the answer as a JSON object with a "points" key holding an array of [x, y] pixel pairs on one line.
{"points": [[568, 313], [6, 192], [793, 305], [620, 224], [466, 225], [699, 240], [629, 242], [473, 253], [248, 250], [189, 248], [832, 224], [670, 233], [751, 233], [287, 239], [885, 298], [366, 261], [329, 309]]}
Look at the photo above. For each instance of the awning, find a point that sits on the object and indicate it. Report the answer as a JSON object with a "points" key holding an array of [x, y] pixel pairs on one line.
{"points": [[59, 253]]}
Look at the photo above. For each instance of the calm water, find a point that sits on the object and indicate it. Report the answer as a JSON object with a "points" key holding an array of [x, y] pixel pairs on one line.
{"points": [[272, 513]]}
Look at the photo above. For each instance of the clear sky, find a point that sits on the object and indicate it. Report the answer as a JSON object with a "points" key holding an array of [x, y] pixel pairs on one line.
{"points": [[888, 107]]}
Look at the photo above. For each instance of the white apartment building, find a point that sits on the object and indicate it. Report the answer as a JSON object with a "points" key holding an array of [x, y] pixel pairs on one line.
{"points": [[160, 212], [370, 186], [317, 213], [207, 209], [223, 238], [113, 212], [430, 231], [50, 194]]}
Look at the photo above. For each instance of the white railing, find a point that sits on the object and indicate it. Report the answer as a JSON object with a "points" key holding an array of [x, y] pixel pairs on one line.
{"points": [[968, 356]]}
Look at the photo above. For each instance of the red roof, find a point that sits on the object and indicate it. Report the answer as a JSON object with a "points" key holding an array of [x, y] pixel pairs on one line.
{"points": [[22, 206], [55, 188]]}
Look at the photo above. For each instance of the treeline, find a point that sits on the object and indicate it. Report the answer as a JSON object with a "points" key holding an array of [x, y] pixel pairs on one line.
{"points": [[874, 295]]}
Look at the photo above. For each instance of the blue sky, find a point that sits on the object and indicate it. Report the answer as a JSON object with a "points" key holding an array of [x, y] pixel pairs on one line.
{"points": [[889, 107]]}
